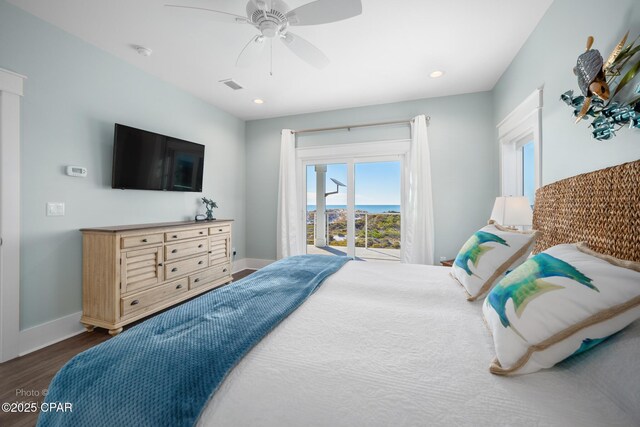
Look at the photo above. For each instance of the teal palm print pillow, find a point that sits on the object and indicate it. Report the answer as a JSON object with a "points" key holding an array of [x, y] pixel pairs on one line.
{"points": [[487, 255], [560, 302]]}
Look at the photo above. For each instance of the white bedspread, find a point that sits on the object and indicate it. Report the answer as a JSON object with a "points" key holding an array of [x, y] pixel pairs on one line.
{"points": [[384, 344]]}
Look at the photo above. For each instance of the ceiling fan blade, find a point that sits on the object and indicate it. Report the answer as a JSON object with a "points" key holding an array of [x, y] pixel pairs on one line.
{"points": [[251, 51], [324, 11], [219, 15], [305, 50]]}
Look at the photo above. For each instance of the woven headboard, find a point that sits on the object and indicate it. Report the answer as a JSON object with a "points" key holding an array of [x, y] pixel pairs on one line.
{"points": [[601, 208]]}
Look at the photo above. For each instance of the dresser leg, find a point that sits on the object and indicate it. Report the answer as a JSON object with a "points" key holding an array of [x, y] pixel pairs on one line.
{"points": [[88, 327], [114, 332]]}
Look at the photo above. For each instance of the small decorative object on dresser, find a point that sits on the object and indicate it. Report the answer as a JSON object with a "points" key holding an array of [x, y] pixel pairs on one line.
{"points": [[447, 263], [130, 272], [209, 204]]}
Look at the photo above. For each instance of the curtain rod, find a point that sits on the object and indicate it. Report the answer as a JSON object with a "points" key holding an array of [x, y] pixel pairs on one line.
{"points": [[349, 127]]}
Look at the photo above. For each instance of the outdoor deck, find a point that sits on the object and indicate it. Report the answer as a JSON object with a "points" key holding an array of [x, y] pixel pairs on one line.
{"points": [[363, 254]]}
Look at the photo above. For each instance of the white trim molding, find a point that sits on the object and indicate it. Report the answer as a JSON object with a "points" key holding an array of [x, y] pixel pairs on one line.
{"points": [[46, 334], [256, 264], [11, 90], [523, 122], [250, 264]]}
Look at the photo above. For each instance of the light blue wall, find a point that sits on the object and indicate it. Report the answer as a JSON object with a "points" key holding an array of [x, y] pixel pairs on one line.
{"points": [[73, 95], [463, 153], [547, 59]]}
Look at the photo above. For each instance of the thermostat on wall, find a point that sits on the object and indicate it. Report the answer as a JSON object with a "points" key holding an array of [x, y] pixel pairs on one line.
{"points": [[76, 171]]}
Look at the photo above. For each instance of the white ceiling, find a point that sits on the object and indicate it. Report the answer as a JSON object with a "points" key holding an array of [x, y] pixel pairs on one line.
{"points": [[384, 55]]}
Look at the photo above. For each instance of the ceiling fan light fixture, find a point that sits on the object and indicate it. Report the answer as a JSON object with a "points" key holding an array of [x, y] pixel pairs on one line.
{"points": [[269, 29], [436, 74]]}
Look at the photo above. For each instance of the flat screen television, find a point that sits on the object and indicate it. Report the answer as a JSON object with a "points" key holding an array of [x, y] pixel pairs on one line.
{"points": [[145, 160]]}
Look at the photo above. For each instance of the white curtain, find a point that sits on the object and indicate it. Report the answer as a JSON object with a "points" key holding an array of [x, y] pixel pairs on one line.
{"points": [[417, 206], [288, 227]]}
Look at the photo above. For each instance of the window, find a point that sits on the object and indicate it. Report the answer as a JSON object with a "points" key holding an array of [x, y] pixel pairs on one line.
{"points": [[521, 148], [526, 153]]}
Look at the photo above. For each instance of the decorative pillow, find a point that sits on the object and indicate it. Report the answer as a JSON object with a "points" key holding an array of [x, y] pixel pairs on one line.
{"points": [[488, 255], [561, 302]]}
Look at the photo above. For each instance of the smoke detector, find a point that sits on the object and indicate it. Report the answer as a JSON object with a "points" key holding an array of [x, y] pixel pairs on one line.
{"points": [[144, 51]]}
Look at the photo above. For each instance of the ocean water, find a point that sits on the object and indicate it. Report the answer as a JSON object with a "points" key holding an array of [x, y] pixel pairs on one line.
{"points": [[367, 208]]}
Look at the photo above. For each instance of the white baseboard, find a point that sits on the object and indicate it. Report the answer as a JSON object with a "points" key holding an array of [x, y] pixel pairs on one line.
{"points": [[250, 263], [44, 335]]}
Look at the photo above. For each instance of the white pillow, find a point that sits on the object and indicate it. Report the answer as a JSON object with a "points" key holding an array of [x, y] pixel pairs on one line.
{"points": [[561, 302], [488, 254]]}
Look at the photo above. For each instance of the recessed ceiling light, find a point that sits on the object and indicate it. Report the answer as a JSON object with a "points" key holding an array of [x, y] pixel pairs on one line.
{"points": [[436, 74], [258, 101]]}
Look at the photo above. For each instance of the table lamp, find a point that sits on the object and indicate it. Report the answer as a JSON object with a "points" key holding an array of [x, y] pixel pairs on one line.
{"points": [[512, 211]]}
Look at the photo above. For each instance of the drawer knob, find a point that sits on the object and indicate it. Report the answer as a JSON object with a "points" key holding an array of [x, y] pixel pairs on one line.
{"points": [[196, 281], [160, 264], [174, 269], [200, 245], [144, 240], [175, 251], [210, 252], [175, 236], [202, 232], [135, 302], [224, 270], [179, 287], [219, 229], [200, 262]]}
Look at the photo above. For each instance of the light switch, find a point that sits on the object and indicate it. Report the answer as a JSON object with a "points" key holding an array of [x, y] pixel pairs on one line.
{"points": [[55, 209]]}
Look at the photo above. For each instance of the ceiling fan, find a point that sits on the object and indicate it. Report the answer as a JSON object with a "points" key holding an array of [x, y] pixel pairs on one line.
{"points": [[273, 19]]}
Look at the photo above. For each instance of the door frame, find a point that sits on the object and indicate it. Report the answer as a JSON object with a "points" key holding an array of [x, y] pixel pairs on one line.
{"points": [[349, 154], [11, 91]]}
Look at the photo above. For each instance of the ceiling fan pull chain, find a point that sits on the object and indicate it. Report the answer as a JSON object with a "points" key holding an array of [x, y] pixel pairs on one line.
{"points": [[271, 59]]}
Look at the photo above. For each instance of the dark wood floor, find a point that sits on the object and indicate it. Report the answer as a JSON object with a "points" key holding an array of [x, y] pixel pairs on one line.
{"points": [[23, 379]]}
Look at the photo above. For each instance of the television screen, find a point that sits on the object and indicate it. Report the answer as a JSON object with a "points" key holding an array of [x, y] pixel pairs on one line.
{"points": [[149, 161]]}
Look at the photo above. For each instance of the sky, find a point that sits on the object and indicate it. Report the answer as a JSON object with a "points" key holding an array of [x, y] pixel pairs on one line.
{"points": [[376, 183]]}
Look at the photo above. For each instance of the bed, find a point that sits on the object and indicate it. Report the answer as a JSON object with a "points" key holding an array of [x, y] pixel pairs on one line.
{"points": [[389, 344], [393, 344]]}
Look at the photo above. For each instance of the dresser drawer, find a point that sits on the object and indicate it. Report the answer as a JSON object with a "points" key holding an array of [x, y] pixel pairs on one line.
{"points": [[184, 234], [134, 304], [209, 275], [183, 249], [180, 268], [220, 229], [141, 240]]}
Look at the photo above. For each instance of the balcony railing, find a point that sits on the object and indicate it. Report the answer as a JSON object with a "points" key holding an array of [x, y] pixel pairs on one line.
{"points": [[373, 230]]}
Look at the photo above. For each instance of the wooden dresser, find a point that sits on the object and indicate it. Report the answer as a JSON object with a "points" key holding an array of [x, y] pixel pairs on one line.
{"points": [[130, 272]]}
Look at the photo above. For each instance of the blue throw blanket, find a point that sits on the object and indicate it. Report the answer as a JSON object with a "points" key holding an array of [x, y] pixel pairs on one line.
{"points": [[163, 371]]}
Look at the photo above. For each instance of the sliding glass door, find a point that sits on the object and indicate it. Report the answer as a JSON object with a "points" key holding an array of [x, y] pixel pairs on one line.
{"points": [[326, 212], [353, 208], [377, 210]]}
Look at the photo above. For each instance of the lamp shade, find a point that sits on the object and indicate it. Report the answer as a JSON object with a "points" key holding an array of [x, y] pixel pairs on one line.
{"points": [[512, 211]]}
